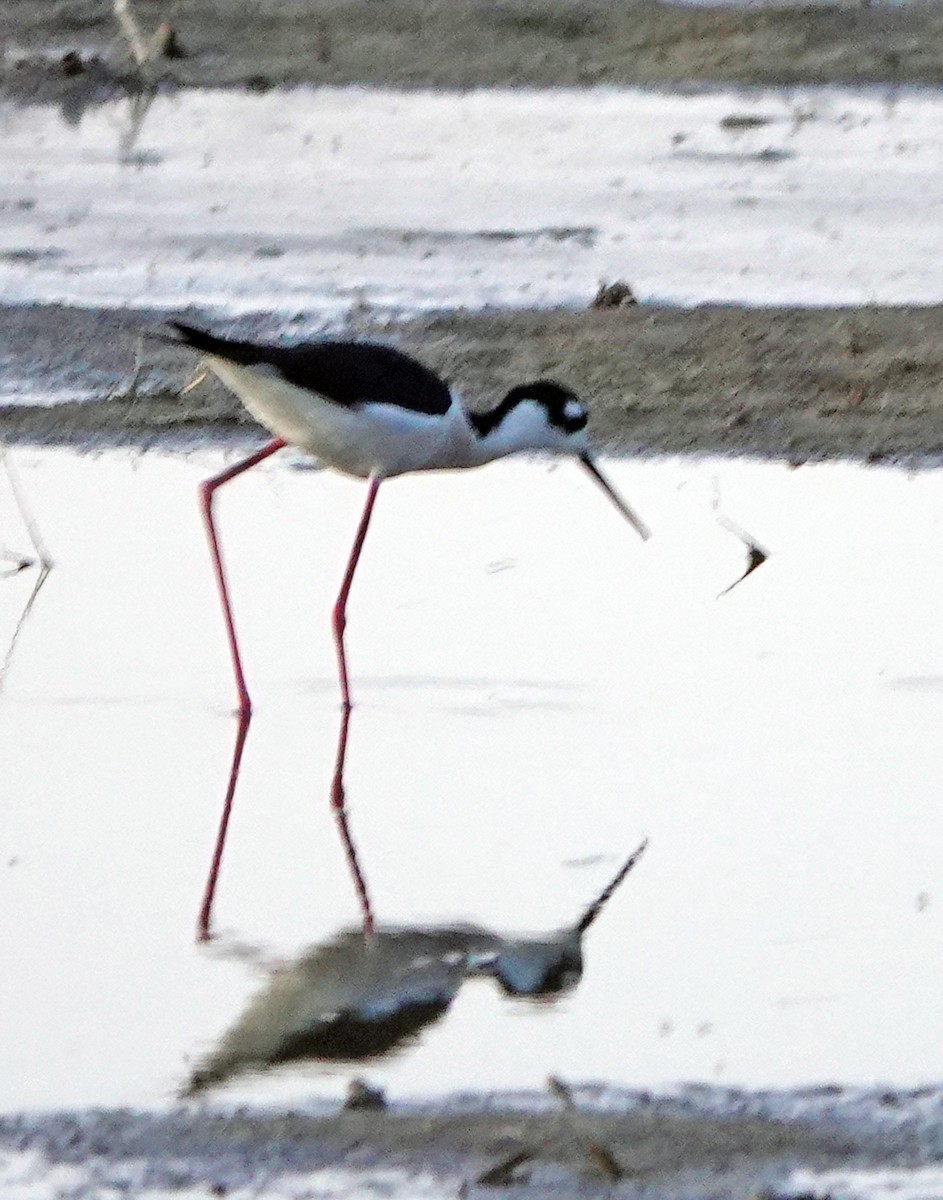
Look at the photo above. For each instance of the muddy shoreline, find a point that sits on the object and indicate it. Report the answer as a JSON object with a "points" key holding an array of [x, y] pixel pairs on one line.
{"points": [[470, 43], [662, 1146], [795, 384]]}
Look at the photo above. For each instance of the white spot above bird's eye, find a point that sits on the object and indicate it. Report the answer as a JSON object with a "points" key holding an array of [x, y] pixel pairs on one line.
{"points": [[572, 410]]}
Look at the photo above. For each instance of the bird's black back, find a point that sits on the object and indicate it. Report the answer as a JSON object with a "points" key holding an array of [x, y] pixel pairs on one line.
{"points": [[347, 373]]}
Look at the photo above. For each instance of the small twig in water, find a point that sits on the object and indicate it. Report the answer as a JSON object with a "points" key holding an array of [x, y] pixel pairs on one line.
{"points": [[21, 623], [42, 556], [32, 529], [19, 563], [757, 554]]}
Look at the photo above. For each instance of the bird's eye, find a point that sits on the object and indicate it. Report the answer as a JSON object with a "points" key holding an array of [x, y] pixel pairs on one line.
{"points": [[571, 416]]}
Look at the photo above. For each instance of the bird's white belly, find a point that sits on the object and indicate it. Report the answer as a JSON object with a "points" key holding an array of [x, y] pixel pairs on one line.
{"points": [[371, 439]]}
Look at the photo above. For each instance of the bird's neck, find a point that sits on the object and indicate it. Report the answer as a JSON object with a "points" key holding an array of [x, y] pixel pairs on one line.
{"points": [[507, 431]]}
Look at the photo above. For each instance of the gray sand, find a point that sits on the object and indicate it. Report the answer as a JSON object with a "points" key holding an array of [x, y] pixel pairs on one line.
{"points": [[485, 43]]}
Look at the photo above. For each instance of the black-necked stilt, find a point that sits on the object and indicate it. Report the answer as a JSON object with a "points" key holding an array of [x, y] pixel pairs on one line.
{"points": [[371, 411]]}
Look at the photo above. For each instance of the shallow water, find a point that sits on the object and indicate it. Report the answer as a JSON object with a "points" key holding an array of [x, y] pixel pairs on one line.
{"points": [[536, 691], [320, 201]]}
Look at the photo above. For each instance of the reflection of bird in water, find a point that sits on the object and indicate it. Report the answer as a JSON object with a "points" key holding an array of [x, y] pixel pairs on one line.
{"points": [[348, 999], [355, 998], [371, 411]]}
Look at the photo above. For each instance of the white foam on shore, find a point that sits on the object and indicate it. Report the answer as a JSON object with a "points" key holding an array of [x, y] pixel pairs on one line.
{"points": [[919, 1183]]}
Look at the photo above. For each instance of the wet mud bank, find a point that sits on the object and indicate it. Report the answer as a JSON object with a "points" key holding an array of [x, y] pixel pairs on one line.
{"points": [[792, 383], [471, 43], [661, 1147]]}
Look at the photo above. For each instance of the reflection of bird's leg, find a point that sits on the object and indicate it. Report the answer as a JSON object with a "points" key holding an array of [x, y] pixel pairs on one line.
{"points": [[207, 490], [338, 798], [209, 891], [338, 801], [340, 606]]}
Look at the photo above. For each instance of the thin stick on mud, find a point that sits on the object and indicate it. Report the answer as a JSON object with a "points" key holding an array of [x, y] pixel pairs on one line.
{"points": [[502, 1174], [194, 381], [587, 1136]]}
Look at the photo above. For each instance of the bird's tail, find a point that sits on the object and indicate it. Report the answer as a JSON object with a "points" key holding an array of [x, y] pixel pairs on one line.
{"points": [[244, 353]]}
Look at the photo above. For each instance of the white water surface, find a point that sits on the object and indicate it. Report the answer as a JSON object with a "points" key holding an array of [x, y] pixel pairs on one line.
{"points": [[536, 691], [316, 202], [923, 1183]]}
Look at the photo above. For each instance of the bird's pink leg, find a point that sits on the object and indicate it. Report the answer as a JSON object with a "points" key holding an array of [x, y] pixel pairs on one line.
{"points": [[207, 488], [340, 606]]}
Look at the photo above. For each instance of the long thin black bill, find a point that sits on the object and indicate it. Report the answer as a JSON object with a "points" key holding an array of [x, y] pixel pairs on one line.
{"points": [[637, 524]]}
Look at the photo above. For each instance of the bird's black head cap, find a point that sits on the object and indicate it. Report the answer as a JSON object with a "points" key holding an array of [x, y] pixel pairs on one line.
{"points": [[565, 411]]}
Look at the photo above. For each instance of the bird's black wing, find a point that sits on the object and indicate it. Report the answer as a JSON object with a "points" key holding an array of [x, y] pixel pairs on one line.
{"points": [[347, 373]]}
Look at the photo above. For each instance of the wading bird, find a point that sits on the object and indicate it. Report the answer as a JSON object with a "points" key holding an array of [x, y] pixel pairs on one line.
{"points": [[371, 411]]}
